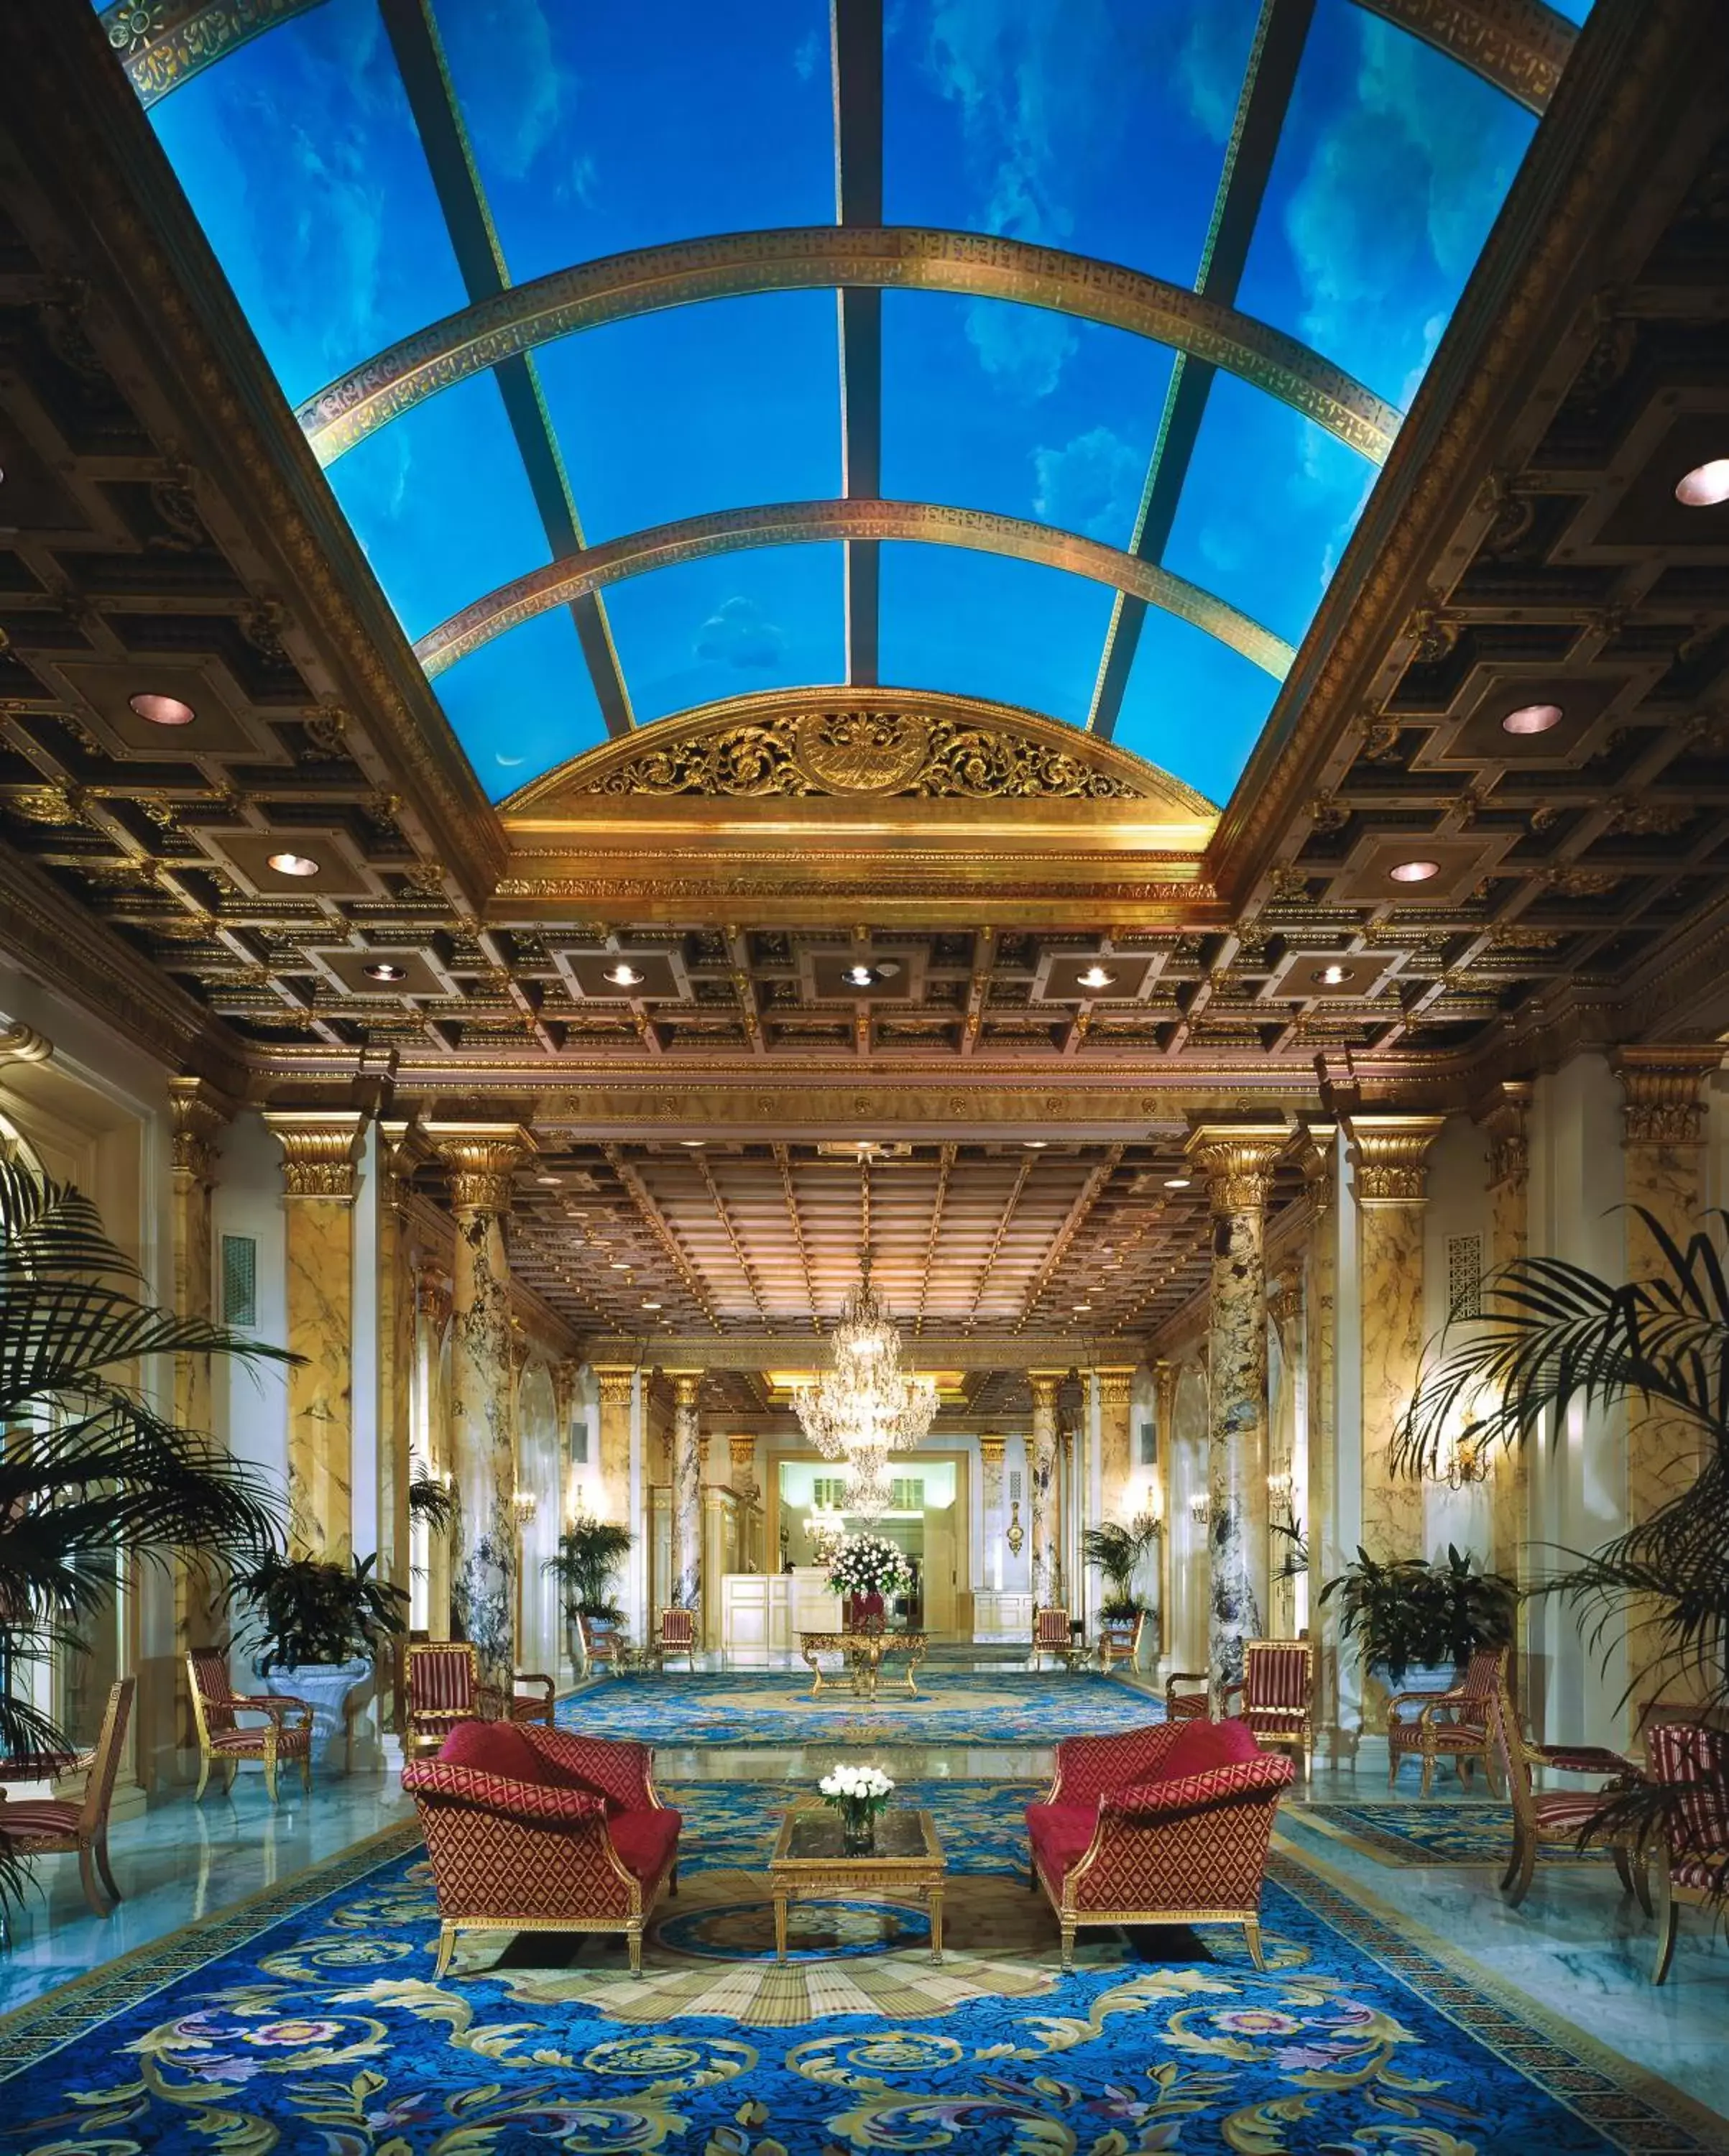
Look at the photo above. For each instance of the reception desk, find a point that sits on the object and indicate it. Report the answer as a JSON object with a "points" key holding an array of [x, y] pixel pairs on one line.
{"points": [[998, 1615], [764, 1613]]}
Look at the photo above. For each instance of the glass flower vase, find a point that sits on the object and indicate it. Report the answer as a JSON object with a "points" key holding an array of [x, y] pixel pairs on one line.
{"points": [[858, 1828]]}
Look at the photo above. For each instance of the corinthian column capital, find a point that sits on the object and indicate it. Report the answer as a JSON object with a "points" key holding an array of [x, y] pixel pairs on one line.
{"points": [[991, 1451], [1662, 1091], [201, 1114], [685, 1386], [320, 1149], [1390, 1155], [617, 1384], [1237, 1160], [1114, 1386], [1045, 1384], [481, 1159], [1504, 1116]]}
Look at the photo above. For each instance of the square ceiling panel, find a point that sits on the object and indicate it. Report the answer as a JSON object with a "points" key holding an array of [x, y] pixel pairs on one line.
{"points": [[163, 709]]}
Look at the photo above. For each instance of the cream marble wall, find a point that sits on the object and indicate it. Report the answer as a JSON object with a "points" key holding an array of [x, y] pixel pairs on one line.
{"points": [[320, 1318], [1460, 1204]]}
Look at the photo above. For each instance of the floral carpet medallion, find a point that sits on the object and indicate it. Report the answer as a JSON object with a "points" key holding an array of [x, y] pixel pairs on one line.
{"points": [[1418, 1835], [953, 1707], [310, 2020]]}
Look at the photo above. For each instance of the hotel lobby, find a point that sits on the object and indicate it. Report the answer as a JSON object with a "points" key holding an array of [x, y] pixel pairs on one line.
{"points": [[978, 1401]]}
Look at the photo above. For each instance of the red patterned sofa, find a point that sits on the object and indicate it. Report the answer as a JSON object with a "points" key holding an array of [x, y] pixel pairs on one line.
{"points": [[1163, 1826], [533, 1829]]}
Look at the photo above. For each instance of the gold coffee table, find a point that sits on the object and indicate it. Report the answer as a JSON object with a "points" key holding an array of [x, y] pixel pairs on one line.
{"points": [[809, 1863]]}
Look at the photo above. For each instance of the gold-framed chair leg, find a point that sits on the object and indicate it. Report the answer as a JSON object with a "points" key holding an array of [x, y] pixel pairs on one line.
{"points": [[1251, 1940], [230, 1768], [103, 1866], [270, 1771], [203, 1777], [100, 1905], [306, 1769], [1068, 1929], [634, 1940], [1667, 1914], [447, 1947], [1394, 1757], [1517, 1883]]}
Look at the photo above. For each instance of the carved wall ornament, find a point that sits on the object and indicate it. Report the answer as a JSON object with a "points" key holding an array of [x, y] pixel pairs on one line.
{"points": [[1505, 1118], [22, 1043], [1390, 1154], [1016, 1534], [199, 1114]]}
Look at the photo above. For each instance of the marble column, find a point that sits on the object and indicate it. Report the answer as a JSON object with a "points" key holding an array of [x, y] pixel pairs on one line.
{"points": [[686, 1491], [1114, 1392], [1389, 1156], [320, 1149], [1503, 1118], [992, 1517], [1043, 1496], [482, 1158], [1663, 1144], [1164, 1424], [401, 1149], [1316, 1157], [432, 1319], [618, 1394], [1284, 1500], [1237, 1160]]}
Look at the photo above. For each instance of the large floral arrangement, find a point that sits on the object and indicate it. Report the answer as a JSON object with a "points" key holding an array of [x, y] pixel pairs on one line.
{"points": [[869, 1564]]}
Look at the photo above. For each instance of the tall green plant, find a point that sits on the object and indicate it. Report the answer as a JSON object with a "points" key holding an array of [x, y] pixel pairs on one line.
{"points": [[311, 1610], [1117, 1551], [89, 1464], [589, 1552], [1410, 1613]]}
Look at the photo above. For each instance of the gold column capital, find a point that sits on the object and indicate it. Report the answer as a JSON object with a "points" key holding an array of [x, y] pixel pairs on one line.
{"points": [[403, 1147], [1390, 1155], [432, 1292], [991, 1451], [1115, 1386], [685, 1386], [1237, 1160], [320, 1147], [742, 1451], [1045, 1384], [1661, 1089], [1164, 1378], [1285, 1303], [1314, 1155], [481, 1159], [200, 1114], [618, 1384], [1505, 1114]]}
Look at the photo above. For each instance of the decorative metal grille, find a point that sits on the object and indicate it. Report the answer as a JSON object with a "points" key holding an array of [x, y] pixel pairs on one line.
{"points": [[1464, 1273], [239, 1280], [1014, 1486], [1149, 1445]]}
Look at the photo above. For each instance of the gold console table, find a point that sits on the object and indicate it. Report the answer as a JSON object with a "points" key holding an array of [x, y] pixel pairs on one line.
{"points": [[865, 1652]]}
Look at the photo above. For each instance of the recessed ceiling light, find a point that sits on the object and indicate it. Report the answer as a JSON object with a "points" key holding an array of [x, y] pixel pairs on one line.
{"points": [[1532, 719], [294, 865], [1335, 976], [1414, 871], [624, 977], [1035, 1144], [1095, 977], [692, 1143], [620, 1265], [1705, 486], [551, 1181], [651, 1305], [383, 969], [1081, 1308], [1176, 1183], [859, 977], [161, 710]]}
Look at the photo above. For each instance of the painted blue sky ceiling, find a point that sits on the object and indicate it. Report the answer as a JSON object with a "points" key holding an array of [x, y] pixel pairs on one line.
{"points": [[1102, 127]]}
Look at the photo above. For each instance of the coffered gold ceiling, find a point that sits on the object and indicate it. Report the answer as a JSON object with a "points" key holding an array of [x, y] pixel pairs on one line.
{"points": [[164, 528]]}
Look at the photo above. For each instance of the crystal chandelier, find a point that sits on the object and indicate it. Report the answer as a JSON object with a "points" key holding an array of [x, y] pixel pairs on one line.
{"points": [[866, 1406]]}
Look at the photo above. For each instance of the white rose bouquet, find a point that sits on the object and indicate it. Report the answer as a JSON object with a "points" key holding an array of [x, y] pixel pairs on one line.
{"points": [[869, 1564], [857, 1793]]}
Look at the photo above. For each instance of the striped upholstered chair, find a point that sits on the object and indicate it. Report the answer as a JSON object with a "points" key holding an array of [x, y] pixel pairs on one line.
{"points": [[217, 1708], [1276, 1698], [1692, 1860], [1562, 1818], [40, 1826], [1053, 1635], [1457, 1725], [444, 1687], [675, 1634]]}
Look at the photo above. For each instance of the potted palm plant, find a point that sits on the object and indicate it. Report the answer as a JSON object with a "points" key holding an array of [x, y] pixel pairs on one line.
{"points": [[1418, 1624], [589, 1552], [91, 1464], [1117, 1551], [317, 1625]]}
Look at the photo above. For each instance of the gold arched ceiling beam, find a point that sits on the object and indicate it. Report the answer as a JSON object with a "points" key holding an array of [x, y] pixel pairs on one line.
{"points": [[899, 257], [799, 523], [1521, 46]]}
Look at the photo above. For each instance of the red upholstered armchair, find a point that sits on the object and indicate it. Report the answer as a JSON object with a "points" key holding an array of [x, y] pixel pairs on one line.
{"points": [[533, 1829], [1163, 1826]]}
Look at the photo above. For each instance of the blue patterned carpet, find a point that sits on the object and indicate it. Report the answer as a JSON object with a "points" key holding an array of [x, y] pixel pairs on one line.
{"points": [[982, 1823], [959, 1706], [1422, 1835], [310, 2022]]}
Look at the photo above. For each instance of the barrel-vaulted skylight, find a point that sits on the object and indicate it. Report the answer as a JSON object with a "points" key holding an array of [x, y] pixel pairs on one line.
{"points": [[660, 353]]}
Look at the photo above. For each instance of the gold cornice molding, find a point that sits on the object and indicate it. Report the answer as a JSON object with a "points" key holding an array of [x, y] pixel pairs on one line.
{"points": [[1662, 1092], [1389, 1157], [1052, 1353], [851, 743], [481, 1159], [907, 258], [580, 576], [199, 1113], [321, 1150], [1237, 1160], [1626, 126]]}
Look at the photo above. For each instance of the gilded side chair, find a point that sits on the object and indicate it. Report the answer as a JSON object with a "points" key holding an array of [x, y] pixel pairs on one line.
{"points": [[40, 1826], [1561, 1818], [217, 1708], [1692, 1858], [675, 1634], [1458, 1724], [1053, 1636], [444, 1686]]}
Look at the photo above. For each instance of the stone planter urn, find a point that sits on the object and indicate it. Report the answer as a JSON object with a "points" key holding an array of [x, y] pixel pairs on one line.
{"points": [[325, 1687], [1424, 1677]]}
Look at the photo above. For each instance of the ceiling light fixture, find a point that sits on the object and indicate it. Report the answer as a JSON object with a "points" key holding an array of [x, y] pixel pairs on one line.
{"points": [[693, 1144], [383, 969], [1705, 486], [1335, 976], [647, 1305], [865, 1406], [1176, 1183], [551, 1182], [1035, 1144], [624, 977], [620, 1265], [860, 976], [294, 865], [1414, 871], [1533, 719], [1095, 977], [161, 710]]}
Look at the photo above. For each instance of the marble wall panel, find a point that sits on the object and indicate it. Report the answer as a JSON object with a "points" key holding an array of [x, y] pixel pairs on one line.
{"points": [[483, 1585], [320, 1389]]}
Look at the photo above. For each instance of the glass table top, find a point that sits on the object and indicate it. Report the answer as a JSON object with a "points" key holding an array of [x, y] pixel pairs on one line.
{"points": [[816, 1835]]}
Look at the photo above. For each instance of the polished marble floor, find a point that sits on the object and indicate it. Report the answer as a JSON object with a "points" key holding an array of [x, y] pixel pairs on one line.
{"points": [[1577, 1947]]}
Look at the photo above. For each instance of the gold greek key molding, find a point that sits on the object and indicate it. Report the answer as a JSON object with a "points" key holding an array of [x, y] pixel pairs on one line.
{"points": [[1662, 1091], [801, 523], [908, 258], [617, 1386], [1115, 1388], [320, 1147], [1519, 45], [1237, 1160], [163, 47], [1505, 1117], [481, 1159], [991, 1451], [847, 743], [199, 1115], [1389, 1155]]}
